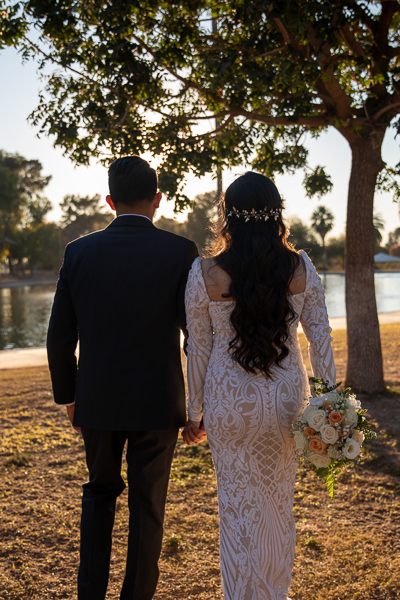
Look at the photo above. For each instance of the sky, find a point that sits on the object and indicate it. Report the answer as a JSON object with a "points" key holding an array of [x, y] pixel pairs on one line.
{"points": [[19, 96]]}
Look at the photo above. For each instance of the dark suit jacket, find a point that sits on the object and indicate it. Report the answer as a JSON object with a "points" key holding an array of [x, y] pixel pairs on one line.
{"points": [[122, 291]]}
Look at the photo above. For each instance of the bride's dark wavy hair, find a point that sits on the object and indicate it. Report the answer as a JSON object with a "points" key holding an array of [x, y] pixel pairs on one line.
{"points": [[261, 264]]}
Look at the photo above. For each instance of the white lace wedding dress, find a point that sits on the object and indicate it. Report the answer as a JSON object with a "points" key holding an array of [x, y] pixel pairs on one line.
{"points": [[247, 418]]}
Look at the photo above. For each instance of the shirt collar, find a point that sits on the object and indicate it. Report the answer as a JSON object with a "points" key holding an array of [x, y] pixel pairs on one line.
{"points": [[134, 215], [131, 220]]}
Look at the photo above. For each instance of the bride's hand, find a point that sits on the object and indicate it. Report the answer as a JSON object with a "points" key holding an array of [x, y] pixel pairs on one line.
{"points": [[192, 433]]}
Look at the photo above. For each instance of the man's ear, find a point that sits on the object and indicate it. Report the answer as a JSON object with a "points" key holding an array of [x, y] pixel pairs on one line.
{"points": [[110, 203], [157, 200]]}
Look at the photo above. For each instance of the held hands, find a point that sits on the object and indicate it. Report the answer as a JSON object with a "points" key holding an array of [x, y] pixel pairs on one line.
{"points": [[70, 412], [193, 433]]}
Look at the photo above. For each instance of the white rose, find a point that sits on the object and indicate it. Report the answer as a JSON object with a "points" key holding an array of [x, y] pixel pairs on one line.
{"points": [[358, 436], [351, 449], [309, 409], [316, 419], [329, 434], [324, 399], [352, 401], [299, 440], [350, 416], [318, 401], [319, 461], [331, 398]]}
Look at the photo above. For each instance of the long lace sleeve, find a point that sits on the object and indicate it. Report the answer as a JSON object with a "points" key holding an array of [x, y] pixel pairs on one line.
{"points": [[200, 339], [315, 323]]}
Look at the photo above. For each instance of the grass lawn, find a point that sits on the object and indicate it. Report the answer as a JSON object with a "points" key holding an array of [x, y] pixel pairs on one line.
{"points": [[347, 549]]}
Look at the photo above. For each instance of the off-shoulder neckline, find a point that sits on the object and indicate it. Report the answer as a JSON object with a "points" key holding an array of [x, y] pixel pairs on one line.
{"points": [[203, 283]]}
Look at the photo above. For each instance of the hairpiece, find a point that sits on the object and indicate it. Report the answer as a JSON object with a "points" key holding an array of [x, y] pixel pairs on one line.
{"points": [[258, 215]]}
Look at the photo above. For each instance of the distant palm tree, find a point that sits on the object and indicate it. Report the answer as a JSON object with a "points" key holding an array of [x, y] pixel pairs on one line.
{"points": [[379, 224], [322, 222]]}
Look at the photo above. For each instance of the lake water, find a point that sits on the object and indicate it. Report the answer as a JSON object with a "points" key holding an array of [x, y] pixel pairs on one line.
{"points": [[387, 291], [25, 311]]}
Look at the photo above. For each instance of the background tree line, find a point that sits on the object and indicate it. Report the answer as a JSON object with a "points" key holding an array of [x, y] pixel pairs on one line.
{"points": [[28, 241]]}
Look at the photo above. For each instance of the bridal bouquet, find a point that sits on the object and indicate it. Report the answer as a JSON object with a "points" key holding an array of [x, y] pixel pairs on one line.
{"points": [[330, 432]]}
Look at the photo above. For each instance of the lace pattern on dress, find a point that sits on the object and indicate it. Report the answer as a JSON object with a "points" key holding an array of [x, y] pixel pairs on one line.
{"points": [[247, 419]]}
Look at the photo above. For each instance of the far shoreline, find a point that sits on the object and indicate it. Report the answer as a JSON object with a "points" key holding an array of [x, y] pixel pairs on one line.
{"points": [[52, 280], [28, 282]]}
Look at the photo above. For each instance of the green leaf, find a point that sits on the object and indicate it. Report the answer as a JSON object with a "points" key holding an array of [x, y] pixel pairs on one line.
{"points": [[330, 482]]}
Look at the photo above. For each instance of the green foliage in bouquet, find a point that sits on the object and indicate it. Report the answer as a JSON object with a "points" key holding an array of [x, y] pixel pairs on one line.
{"points": [[330, 431]]}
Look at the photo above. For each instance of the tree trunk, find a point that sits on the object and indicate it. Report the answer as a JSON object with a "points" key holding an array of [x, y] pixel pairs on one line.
{"points": [[323, 255], [219, 184], [10, 266], [364, 361]]}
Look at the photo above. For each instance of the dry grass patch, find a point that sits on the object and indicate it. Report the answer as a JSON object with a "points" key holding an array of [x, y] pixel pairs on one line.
{"points": [[346, 550]]}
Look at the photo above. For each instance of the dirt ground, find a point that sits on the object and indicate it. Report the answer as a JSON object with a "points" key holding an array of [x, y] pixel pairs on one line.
{"points": [[346, 549]]}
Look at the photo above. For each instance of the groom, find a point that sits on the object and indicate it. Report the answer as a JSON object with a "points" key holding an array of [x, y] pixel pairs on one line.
{"points": [[121, 292]]}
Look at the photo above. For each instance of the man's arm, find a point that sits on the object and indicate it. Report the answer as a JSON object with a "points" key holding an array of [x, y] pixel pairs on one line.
{"points": [[62, 339], [191, 254]]}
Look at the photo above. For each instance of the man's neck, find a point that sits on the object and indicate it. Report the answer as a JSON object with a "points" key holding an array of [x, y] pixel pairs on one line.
{"points": [[143, 211]]}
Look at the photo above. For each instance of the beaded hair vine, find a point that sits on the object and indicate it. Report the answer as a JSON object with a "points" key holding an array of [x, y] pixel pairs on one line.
{"points": [[258, 215]]}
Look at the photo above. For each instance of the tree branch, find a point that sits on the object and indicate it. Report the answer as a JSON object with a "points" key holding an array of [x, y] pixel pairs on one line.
{"points": [[352, 43], [381, 46], [188, 82], [270, 120], [178, 118], [68, 68], [123, 118], [182, 118], [210, 134], [270, 53], [283, 31], [220, 41], [335, 90], [382, 27], [365, 18], [383, 110], [393, 52]]}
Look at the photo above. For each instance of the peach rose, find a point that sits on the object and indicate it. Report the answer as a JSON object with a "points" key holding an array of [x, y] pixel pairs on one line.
{"points": [[358, 436], [329, 434], [335, 417], [308, 432], [317, 445]]}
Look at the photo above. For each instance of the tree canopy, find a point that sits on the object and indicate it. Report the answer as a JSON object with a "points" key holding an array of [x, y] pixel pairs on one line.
{"points": [[82, 215], [198, 225], [322, 221], [21, 187], [146, 76], [22, 203]]}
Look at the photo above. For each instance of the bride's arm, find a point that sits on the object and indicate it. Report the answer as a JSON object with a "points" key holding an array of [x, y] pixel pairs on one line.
{"points": [[315, 322], [199, 343]]}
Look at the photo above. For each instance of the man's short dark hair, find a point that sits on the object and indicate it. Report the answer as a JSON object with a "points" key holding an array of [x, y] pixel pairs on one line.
{"points": [[131, 180]]}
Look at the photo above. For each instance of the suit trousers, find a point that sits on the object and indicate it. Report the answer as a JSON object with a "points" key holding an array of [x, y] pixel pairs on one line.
{"points": [[149, 456]]}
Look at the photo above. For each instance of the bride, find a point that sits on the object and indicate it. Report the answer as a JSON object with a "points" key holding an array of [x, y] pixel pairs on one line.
{"points": [[247, 380]]}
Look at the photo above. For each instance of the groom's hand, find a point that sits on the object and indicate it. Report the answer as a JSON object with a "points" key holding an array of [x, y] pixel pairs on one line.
{"points": [[193, 433], [70, 412]]}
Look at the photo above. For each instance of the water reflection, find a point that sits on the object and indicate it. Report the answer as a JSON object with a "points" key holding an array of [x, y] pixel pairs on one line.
{"points": [[24, 316], [387, 290], [25, 311]]}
